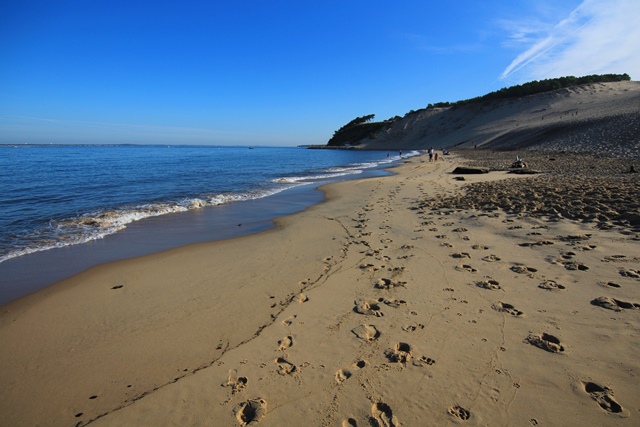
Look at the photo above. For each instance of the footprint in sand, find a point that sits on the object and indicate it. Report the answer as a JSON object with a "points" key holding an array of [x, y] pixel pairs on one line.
{"points": [[479, 247], [460, 230], [604, 397], [459, 412], [629, 272], [235, 382], [574, 238], [366, 332], [349, 422], [368, 308], [506, 308], [251, 411], [424, 360], [460, 255], [489, 284], [383, 415], [395, 270], [387, 284], [285, 343], [289, 320], [284, 366], [609, 284], [342, 375], [490, 258], [401, 353], [521, 269], [300, 298], [546, 342], [537, 243], [412, 328], [395, 303], [550, 285], [369, 267], [614, 304], [465, 267], [575, 265]]}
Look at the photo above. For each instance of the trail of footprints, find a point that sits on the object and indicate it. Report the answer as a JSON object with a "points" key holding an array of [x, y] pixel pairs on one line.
{"points": [[567, 259], [402, 353]]}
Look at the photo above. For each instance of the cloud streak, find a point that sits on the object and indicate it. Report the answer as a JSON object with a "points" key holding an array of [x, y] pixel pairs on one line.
{"points": [[598, 37]]}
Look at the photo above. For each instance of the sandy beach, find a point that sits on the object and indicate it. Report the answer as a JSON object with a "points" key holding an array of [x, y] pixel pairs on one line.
{"points": [[401, 300]]}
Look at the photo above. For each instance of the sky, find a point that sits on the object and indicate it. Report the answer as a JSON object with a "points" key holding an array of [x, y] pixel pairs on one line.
{"points": [[281, 73]]}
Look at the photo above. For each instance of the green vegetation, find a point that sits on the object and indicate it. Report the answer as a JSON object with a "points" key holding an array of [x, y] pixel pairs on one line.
{"points": [[536, 87], [357, 129]]}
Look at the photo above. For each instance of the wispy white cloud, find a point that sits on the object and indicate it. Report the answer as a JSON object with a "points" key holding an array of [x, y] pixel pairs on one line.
{"points": [[599, 36]]}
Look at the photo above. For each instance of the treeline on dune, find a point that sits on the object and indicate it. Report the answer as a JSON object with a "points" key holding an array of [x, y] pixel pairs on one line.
{"points": [[363, 127]]}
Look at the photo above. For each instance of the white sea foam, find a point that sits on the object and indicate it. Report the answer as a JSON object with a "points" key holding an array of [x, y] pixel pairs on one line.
{"points": [[98, 225], [313, 178]]}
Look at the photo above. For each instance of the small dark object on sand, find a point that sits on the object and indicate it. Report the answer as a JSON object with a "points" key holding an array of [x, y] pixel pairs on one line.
{"points": [[632, 170], [468, 170], [518, 164], [524, 171]]}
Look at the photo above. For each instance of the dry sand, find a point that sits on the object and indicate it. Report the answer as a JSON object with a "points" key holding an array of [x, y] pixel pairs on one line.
{"points": [[396, 302]]}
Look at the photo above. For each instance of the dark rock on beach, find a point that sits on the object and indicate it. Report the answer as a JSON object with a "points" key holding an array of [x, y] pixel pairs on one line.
{"points": [[469, 170]]}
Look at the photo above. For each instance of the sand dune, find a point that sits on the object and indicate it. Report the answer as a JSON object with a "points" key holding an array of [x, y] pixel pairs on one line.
{"points": [[603, 118]]}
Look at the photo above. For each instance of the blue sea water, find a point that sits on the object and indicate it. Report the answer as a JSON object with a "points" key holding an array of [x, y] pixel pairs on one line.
{"points": [[60, 195]]}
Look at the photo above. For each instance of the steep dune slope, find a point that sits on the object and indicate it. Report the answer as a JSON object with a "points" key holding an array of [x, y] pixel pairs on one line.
{"points": [[601, 117]]}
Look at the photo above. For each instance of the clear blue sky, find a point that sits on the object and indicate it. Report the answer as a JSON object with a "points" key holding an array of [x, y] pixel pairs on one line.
{"points": [[281, 72]]}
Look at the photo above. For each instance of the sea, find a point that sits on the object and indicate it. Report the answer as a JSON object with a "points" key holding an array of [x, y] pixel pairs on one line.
{"points": [[65, 208]]}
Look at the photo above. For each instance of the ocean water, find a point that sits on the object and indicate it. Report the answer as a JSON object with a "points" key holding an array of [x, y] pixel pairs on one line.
{"points": [[57, 196]]}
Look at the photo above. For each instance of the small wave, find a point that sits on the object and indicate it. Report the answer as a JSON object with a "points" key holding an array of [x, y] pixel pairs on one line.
{"points": [[98, 225], [314, 178]]}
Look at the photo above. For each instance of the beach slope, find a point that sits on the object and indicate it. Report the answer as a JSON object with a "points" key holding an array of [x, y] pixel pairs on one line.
{"points": [[392, 303]]}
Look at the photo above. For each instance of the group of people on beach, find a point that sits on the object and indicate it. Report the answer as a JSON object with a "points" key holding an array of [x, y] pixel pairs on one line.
{"points": [[433, 156]]}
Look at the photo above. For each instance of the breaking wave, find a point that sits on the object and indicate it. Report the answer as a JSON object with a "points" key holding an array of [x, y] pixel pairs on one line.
{"points": [[97, 225]]}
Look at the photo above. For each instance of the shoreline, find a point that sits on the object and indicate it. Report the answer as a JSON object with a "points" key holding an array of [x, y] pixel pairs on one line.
{"points": [[377, 305], [23, 275]]}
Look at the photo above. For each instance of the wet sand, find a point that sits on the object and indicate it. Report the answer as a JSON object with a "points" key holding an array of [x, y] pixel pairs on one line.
{"points": [[29, 273]]}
